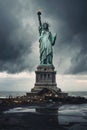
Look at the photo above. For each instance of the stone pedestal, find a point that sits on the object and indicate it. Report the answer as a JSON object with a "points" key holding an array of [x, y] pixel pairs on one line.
{"points": [[45, 78]]}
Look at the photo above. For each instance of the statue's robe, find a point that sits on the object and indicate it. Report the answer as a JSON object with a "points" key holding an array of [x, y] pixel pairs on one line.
{"points": [[47, 40]]}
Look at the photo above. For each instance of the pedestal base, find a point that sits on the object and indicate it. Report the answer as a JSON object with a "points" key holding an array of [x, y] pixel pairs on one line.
{"points": [[45, 78]]}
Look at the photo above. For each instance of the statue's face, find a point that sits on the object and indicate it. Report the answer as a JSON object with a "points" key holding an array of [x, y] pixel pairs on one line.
{"points": [[45, 26]]}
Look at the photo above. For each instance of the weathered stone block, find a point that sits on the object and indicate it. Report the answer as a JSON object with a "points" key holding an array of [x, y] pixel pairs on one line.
{"points": [[45, 78]]}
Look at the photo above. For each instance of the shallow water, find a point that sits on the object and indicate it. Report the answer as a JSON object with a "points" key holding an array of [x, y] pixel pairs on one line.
{"points": [[20, 109], [66, 113]]}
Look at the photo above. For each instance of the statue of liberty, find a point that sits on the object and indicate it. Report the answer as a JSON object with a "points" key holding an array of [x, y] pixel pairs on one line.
{"points": [[46, 41]]}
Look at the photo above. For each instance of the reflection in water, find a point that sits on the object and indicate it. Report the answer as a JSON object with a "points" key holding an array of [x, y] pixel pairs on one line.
{"points": [[20, 109], [50, 116], [73, 113], [68, 117]]}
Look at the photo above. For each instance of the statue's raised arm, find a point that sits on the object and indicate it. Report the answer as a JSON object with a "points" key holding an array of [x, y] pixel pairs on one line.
{"points": [[40, 23], [46, 40], [39, 18]]}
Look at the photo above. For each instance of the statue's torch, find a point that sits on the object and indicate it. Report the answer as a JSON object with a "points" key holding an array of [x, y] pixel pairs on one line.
{"points": [[39, 18]]}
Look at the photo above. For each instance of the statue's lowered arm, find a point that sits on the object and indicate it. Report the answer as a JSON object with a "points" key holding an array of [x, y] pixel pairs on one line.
{"points": [[53, 38]]}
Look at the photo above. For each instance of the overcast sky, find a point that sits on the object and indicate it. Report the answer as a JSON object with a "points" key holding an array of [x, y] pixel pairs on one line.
{"points": [[19, 46]]}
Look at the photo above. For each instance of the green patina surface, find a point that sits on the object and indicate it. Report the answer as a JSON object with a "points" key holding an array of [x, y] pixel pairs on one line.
{"points": [[46, 41]]}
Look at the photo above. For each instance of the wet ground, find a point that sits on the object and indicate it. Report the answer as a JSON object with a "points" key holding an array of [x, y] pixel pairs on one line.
{"points": [[68, 117]]}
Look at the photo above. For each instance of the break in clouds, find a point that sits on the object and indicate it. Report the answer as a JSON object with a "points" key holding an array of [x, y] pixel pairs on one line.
{"points": [[19, 34]]}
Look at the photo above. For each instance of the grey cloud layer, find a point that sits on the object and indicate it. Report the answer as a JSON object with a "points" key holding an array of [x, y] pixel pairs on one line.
{"points": [[17, 35], [15, 40]]}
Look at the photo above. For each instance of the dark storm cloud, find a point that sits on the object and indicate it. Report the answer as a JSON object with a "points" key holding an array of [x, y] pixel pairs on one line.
{"points": [[79, 62], [16, 39]]}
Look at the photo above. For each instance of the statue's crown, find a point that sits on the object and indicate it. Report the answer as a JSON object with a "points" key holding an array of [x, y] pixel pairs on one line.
{"points": [[45, 25]]}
